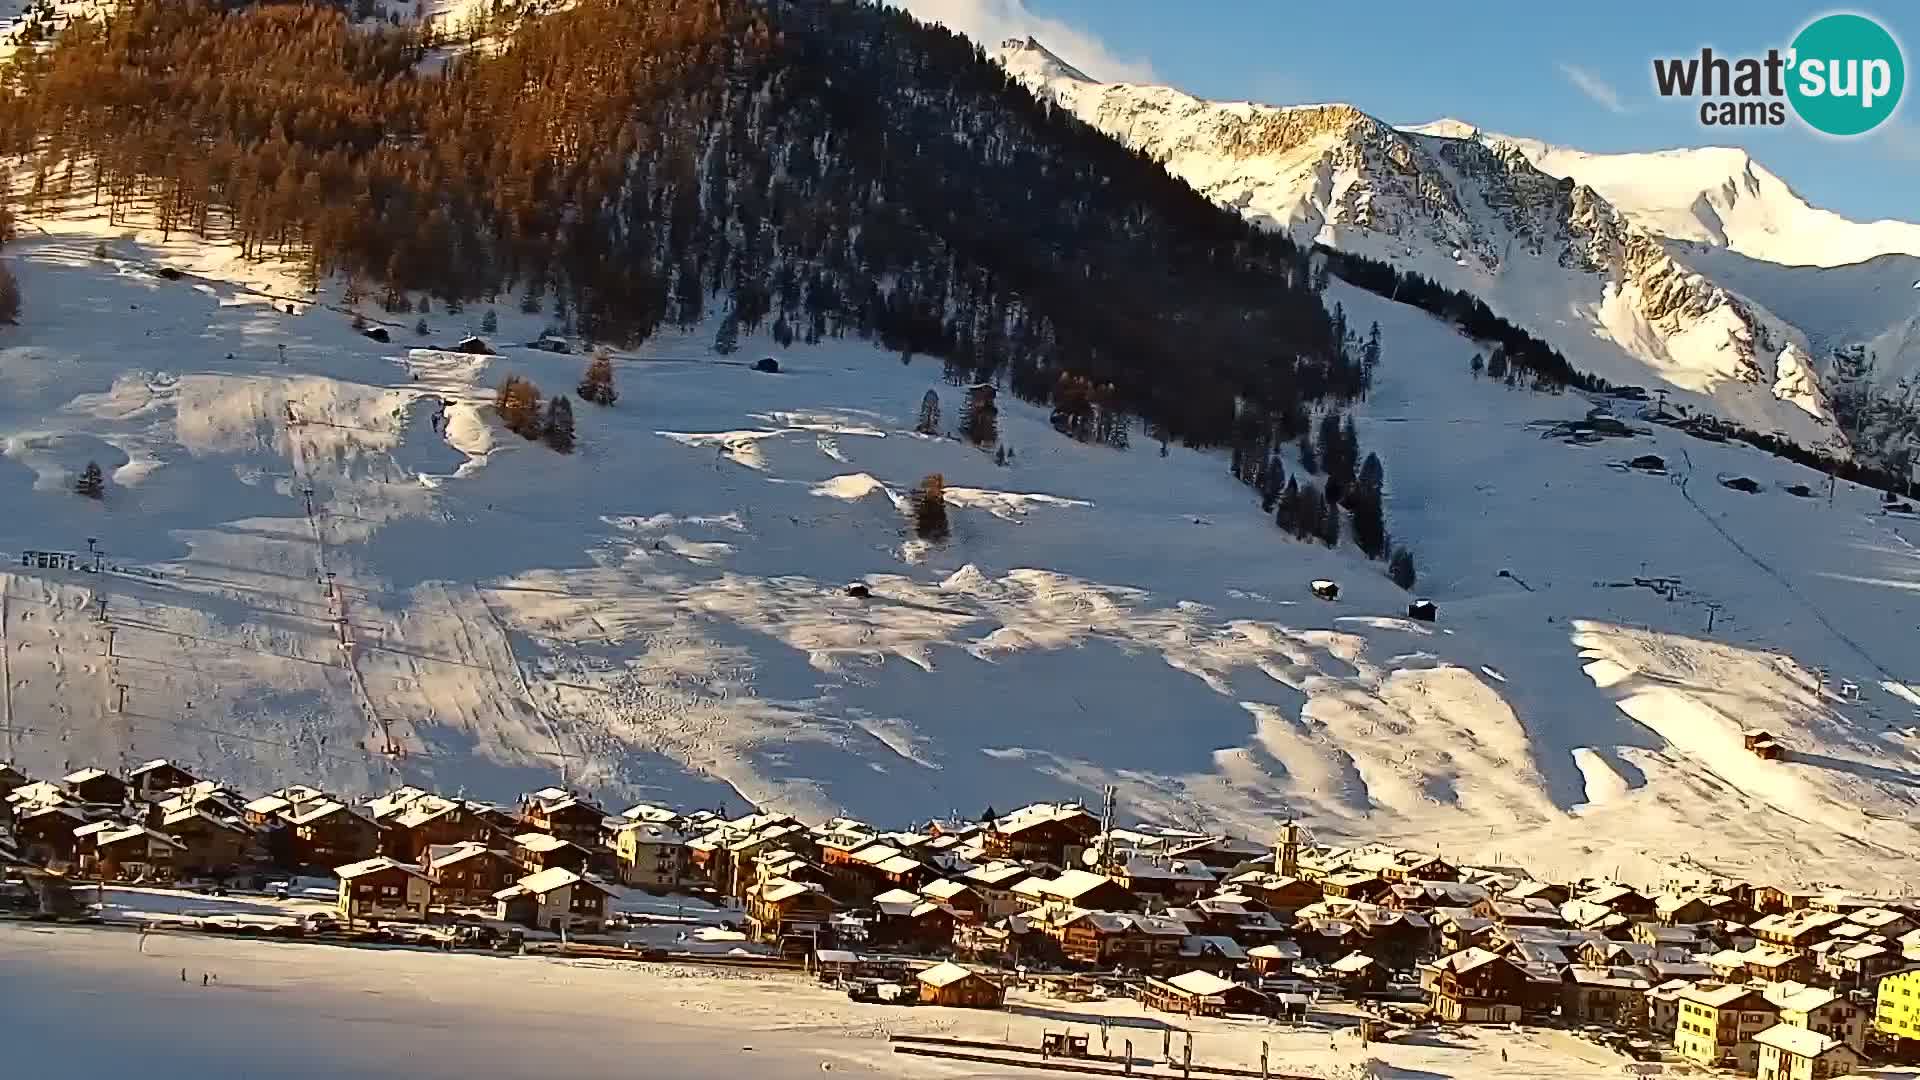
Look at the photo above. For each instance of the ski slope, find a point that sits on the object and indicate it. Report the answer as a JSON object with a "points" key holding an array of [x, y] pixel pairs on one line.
{"points": [[662, 615]]}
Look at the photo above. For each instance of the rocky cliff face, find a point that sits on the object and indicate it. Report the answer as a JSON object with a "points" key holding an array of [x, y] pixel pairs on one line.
{"points": [[1477, 215]]}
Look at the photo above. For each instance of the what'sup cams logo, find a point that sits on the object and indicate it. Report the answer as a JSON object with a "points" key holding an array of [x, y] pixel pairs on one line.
{"points": [[1842, 75]]}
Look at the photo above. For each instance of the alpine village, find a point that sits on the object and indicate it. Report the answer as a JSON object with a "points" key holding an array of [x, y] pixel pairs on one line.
{"points": [[1741, 976]]}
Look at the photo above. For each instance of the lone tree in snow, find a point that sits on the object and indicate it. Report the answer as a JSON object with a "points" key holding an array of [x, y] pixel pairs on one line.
{"points": [[92, 482], [596, 386], [490, 322], [9, 295], [420, 328], [726, 340], [1400, 568], [518, 403], [929, 414], [979, 416], [930, 508], [1477, 365], [558, 430]]}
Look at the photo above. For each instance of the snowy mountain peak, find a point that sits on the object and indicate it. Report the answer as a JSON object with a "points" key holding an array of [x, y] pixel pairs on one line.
{"points": [[1482, 214], [1026, 58]]}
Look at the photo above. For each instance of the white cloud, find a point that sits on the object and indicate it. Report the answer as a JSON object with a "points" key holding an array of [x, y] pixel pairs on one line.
{"points": [[990, 22], [1596, 88]]}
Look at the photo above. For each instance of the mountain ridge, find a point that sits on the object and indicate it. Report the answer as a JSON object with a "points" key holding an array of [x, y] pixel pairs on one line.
{"points": [[1545, 252]]}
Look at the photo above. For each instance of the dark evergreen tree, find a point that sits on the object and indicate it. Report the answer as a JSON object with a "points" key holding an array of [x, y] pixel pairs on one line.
{"points": [[1369, 516], [490, 322], [1477, 365], [1309, 460], [930, 508], [929, 423], [1497, 363], [726, 340], [1401, 569], [558, 428], [92, 482], [420, 328], [9, 296]]}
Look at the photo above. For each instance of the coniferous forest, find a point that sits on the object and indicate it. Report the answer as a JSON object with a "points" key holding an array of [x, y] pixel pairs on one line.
{"points": [[805, 168]]}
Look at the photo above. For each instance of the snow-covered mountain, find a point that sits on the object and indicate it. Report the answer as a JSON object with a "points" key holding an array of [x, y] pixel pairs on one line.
{"points": [[1548, 253], [663, 613], [1715, 196]]}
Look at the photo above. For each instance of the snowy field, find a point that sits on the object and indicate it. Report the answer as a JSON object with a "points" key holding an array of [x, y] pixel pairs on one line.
{"points": [[294, 1012], [662, 614]]}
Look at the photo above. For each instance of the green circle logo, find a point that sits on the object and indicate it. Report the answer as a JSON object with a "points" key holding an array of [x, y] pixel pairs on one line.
{"points": [[1847, 74]]}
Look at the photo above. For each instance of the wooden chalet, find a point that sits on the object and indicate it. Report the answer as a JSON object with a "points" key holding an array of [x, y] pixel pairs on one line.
{"points": [[1079, 888], [537, 851], [1477, 987], [12, 779], [1044, 832], [779, 910], [211, 845], [565, 815], [45, 834], [556, 900], [134, 853], [966, 902], [469, 873], [96, 787], [1762, 744], [383, 890], [1272, 960], [329, 833], [959, 988], [430, 821], [149, 781]]}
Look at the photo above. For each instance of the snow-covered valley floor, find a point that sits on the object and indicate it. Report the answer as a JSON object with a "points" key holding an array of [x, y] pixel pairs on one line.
{"points": [[297, 1011], [662, 614]]}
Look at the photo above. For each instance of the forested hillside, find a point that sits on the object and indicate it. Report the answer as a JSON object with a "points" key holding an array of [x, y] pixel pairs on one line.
{"points": [[817, 169]]}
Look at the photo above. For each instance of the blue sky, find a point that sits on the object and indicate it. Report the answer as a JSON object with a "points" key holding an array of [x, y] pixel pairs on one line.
{"points": [[1580, 77]]}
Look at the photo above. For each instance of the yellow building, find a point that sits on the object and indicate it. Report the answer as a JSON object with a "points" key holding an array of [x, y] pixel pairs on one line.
{"points": [[1897, 1009], [1794, 1053], [1717, 1025]]}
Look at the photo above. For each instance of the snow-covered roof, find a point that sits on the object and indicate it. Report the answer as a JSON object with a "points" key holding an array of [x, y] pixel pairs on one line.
{"points": [[1212, 944], [1718, 997], [1799, 997], [439, 855], [324, 808], [944, 974], [556, 877], [778, 889], [374, 866], [944, 889], [1161, 868], [1201, 983], [539, 843], [150, 766], [997, 873], [651, 832], [1277, 950], [897, 896], [133, 832], [83, 775], [1466, 960], [1798, 1041], [267, 804], [1351, 964]]}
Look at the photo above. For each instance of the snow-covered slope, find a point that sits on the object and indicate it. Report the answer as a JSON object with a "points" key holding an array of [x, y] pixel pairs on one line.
{"points": [[663, 614], [1550, 255], [1717, 196]]}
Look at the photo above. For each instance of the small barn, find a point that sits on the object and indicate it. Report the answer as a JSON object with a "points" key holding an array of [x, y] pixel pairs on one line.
{"points": [[1423, 610], [1326, 590], [1761, 744], [958, 988], [377, 333], [767, 364], [1741, 483], [1652, 463], [1200, 993], [475, 345]]}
